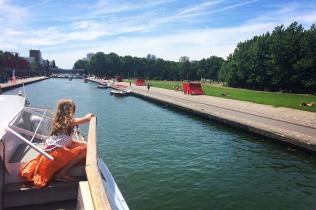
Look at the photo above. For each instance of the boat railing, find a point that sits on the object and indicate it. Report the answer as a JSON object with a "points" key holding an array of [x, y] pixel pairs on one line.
{"points": [[17, 131], [32, 145], [37, 127], [97, 189]]}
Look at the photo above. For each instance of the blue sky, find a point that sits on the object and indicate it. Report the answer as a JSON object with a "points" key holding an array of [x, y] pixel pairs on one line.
{"points": [[68, 30]]}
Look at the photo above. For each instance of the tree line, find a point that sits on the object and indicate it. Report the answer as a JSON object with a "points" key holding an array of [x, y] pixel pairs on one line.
{"points": [[150, 67], [10, 61], [284, 59]]}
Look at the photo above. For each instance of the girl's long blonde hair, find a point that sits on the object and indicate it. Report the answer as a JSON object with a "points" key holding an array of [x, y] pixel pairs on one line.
{"points": [[64, 115]]}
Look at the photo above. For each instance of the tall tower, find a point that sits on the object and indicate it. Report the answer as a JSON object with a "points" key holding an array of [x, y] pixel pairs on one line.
{"points": [[36, 54]]}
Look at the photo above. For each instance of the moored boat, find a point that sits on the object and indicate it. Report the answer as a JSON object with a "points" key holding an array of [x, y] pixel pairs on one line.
{"points": [[120, 92], [23, 131], [103, 85]]}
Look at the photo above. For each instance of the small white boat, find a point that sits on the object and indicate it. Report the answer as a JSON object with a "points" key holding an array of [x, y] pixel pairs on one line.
{"points": [[103, 85], [120, 92], [23, 131]]}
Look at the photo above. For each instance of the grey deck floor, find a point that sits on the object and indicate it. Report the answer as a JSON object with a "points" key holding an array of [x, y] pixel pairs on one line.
{"points": [[62, 205]]}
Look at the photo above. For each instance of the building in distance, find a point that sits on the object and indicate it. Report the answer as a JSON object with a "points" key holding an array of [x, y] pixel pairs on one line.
{"points": [[37, 55], [89, 56], [30, 60], [184, 59], [151, 57]]}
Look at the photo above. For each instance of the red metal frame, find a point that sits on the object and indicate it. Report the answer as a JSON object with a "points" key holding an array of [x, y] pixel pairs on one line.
{"points": [[192, 88], [119, 78], [140, 82]]}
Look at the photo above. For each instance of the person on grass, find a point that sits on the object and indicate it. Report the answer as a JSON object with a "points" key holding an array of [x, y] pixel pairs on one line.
{"points": [[303, 103], [66, 151]]}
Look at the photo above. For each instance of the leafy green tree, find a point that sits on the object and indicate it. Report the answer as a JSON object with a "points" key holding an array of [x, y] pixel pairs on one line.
{"points": [[98, 63], [81, 64], [282, 60]]}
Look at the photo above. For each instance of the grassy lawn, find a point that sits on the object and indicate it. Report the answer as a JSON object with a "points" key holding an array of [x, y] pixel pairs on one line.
{"points": [[270, 98]]}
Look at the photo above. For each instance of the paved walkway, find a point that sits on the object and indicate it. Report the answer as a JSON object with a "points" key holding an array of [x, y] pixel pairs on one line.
{"points": [[19, 82], [279, 113], [284, 124]]}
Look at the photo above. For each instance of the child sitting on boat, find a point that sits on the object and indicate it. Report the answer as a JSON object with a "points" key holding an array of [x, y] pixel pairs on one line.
{"points": [[60, 145]]}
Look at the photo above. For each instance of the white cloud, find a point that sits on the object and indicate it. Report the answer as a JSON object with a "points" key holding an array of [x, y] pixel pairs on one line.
{"points": [[110, 33], [11, 13], [287, 14], [199, 7], [12, 32], [196, 44], [199, 11], [307, 19], [11, 18], [66, 59], [77, 31], [88, 30], [232, 6], [117, 6]]}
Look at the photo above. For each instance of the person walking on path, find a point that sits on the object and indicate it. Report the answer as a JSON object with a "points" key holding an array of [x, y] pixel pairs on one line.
{"points": [[148, 86]]}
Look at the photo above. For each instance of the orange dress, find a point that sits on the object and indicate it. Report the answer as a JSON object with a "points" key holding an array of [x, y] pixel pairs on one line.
{"points": [[40, 170]]}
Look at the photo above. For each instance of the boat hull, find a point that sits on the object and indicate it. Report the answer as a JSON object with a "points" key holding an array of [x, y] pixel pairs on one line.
{"points": [[119, 93], [115, 196]]}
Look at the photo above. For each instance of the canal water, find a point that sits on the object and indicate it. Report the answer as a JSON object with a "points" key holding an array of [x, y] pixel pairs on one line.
{"points": [[162, 159]]}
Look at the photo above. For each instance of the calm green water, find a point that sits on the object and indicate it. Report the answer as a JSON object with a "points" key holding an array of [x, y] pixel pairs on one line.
{"points": [[162, 159]]}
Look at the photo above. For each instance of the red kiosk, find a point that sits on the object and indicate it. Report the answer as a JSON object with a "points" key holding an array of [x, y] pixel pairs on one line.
{"points": [[192, 88], [118, 78], [140, 82]]}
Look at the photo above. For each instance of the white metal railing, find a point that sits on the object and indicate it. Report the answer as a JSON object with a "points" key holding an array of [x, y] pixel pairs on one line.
{"points": [[32, 145], [28, 133], [35, 132], [79, 136]]}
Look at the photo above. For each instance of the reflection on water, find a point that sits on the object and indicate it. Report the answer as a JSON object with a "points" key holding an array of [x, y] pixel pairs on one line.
{"points": [[163, 159]]}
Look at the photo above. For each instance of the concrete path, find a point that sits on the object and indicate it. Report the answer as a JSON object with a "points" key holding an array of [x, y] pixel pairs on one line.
{"points": [[19, 82]]}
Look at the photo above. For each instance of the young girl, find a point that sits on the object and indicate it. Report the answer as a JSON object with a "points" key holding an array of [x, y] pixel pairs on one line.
{"points": [[60, 145]]}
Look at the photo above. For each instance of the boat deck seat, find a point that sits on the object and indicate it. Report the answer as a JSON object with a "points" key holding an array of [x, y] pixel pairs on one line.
{"points": [[21, 194], [24, 153]]}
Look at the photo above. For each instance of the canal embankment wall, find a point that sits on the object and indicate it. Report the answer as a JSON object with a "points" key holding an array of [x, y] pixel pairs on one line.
{"points": [[21, 82], [300, 140], [292, 127]]}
